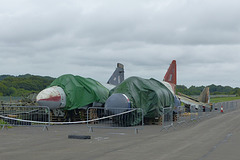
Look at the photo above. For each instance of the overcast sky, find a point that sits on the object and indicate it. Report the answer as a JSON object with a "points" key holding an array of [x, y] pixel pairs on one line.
{"points": [[88, 38]]}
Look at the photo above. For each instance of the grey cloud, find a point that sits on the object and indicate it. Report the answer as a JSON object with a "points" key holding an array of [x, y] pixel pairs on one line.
{"points": [[183, 22], [88, 38]]}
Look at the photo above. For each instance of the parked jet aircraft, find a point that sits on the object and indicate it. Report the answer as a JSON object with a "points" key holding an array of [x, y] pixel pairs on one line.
{"points": [[149, 94], [69, 92], [171, 78], [203, 99]]}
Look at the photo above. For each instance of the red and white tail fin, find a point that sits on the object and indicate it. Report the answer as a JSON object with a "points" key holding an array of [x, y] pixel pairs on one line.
{"points": [[171, 75]]}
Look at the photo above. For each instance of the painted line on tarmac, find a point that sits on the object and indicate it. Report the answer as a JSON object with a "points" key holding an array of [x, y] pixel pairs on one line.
{"points": [[216, 146]]}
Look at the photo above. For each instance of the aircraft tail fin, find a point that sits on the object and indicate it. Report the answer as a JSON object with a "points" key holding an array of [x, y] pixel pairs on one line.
{"points": [[171, 75], [205, 95], [117, 76]]}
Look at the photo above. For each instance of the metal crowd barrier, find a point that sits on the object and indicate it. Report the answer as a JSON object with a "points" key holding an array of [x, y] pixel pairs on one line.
{"points": [[227, 106], [218, 106], [208, 111], [128, 118], [167, 118], [181, 116], [215, 109], [194, 113], [24, 116], [200, 112]]}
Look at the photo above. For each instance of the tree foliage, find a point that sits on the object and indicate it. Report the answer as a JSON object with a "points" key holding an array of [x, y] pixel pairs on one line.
{"points": [[22, 85], [214, 90]]}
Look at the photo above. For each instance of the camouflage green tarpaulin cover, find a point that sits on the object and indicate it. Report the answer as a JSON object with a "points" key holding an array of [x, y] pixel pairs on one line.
{"points": [[80, 91], [148, 94]]}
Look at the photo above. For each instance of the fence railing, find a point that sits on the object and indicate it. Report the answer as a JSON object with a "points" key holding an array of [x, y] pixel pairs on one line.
{"points": [[129, 118], [195, 113], [24, 116]]}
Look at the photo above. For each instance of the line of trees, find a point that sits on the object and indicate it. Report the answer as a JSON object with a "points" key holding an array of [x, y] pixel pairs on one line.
{"points": [[214, 90], [26, 84]]}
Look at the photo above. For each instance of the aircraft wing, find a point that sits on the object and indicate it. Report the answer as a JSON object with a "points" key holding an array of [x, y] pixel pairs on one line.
{"points": [[190, 100]]}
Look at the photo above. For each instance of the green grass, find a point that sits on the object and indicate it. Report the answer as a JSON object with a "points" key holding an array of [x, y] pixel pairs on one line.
{"points": [[2, 122], [224, 99]]}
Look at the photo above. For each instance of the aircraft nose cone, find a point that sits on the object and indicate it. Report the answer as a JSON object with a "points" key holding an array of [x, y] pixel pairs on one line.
{"points": [[117, 102], [53, 97]]}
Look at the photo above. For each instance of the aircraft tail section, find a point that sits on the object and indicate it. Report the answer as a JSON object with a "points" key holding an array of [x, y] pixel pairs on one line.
{"points": [[205, 95], [171, 75], [117, 76]]}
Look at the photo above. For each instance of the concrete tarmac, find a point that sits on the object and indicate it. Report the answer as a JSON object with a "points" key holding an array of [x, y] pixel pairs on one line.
{"points": [[216, 138]]}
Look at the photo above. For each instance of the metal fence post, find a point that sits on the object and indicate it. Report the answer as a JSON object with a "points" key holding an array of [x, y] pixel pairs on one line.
{"points": [[167, 119], [200, 112], [193, 113]]}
